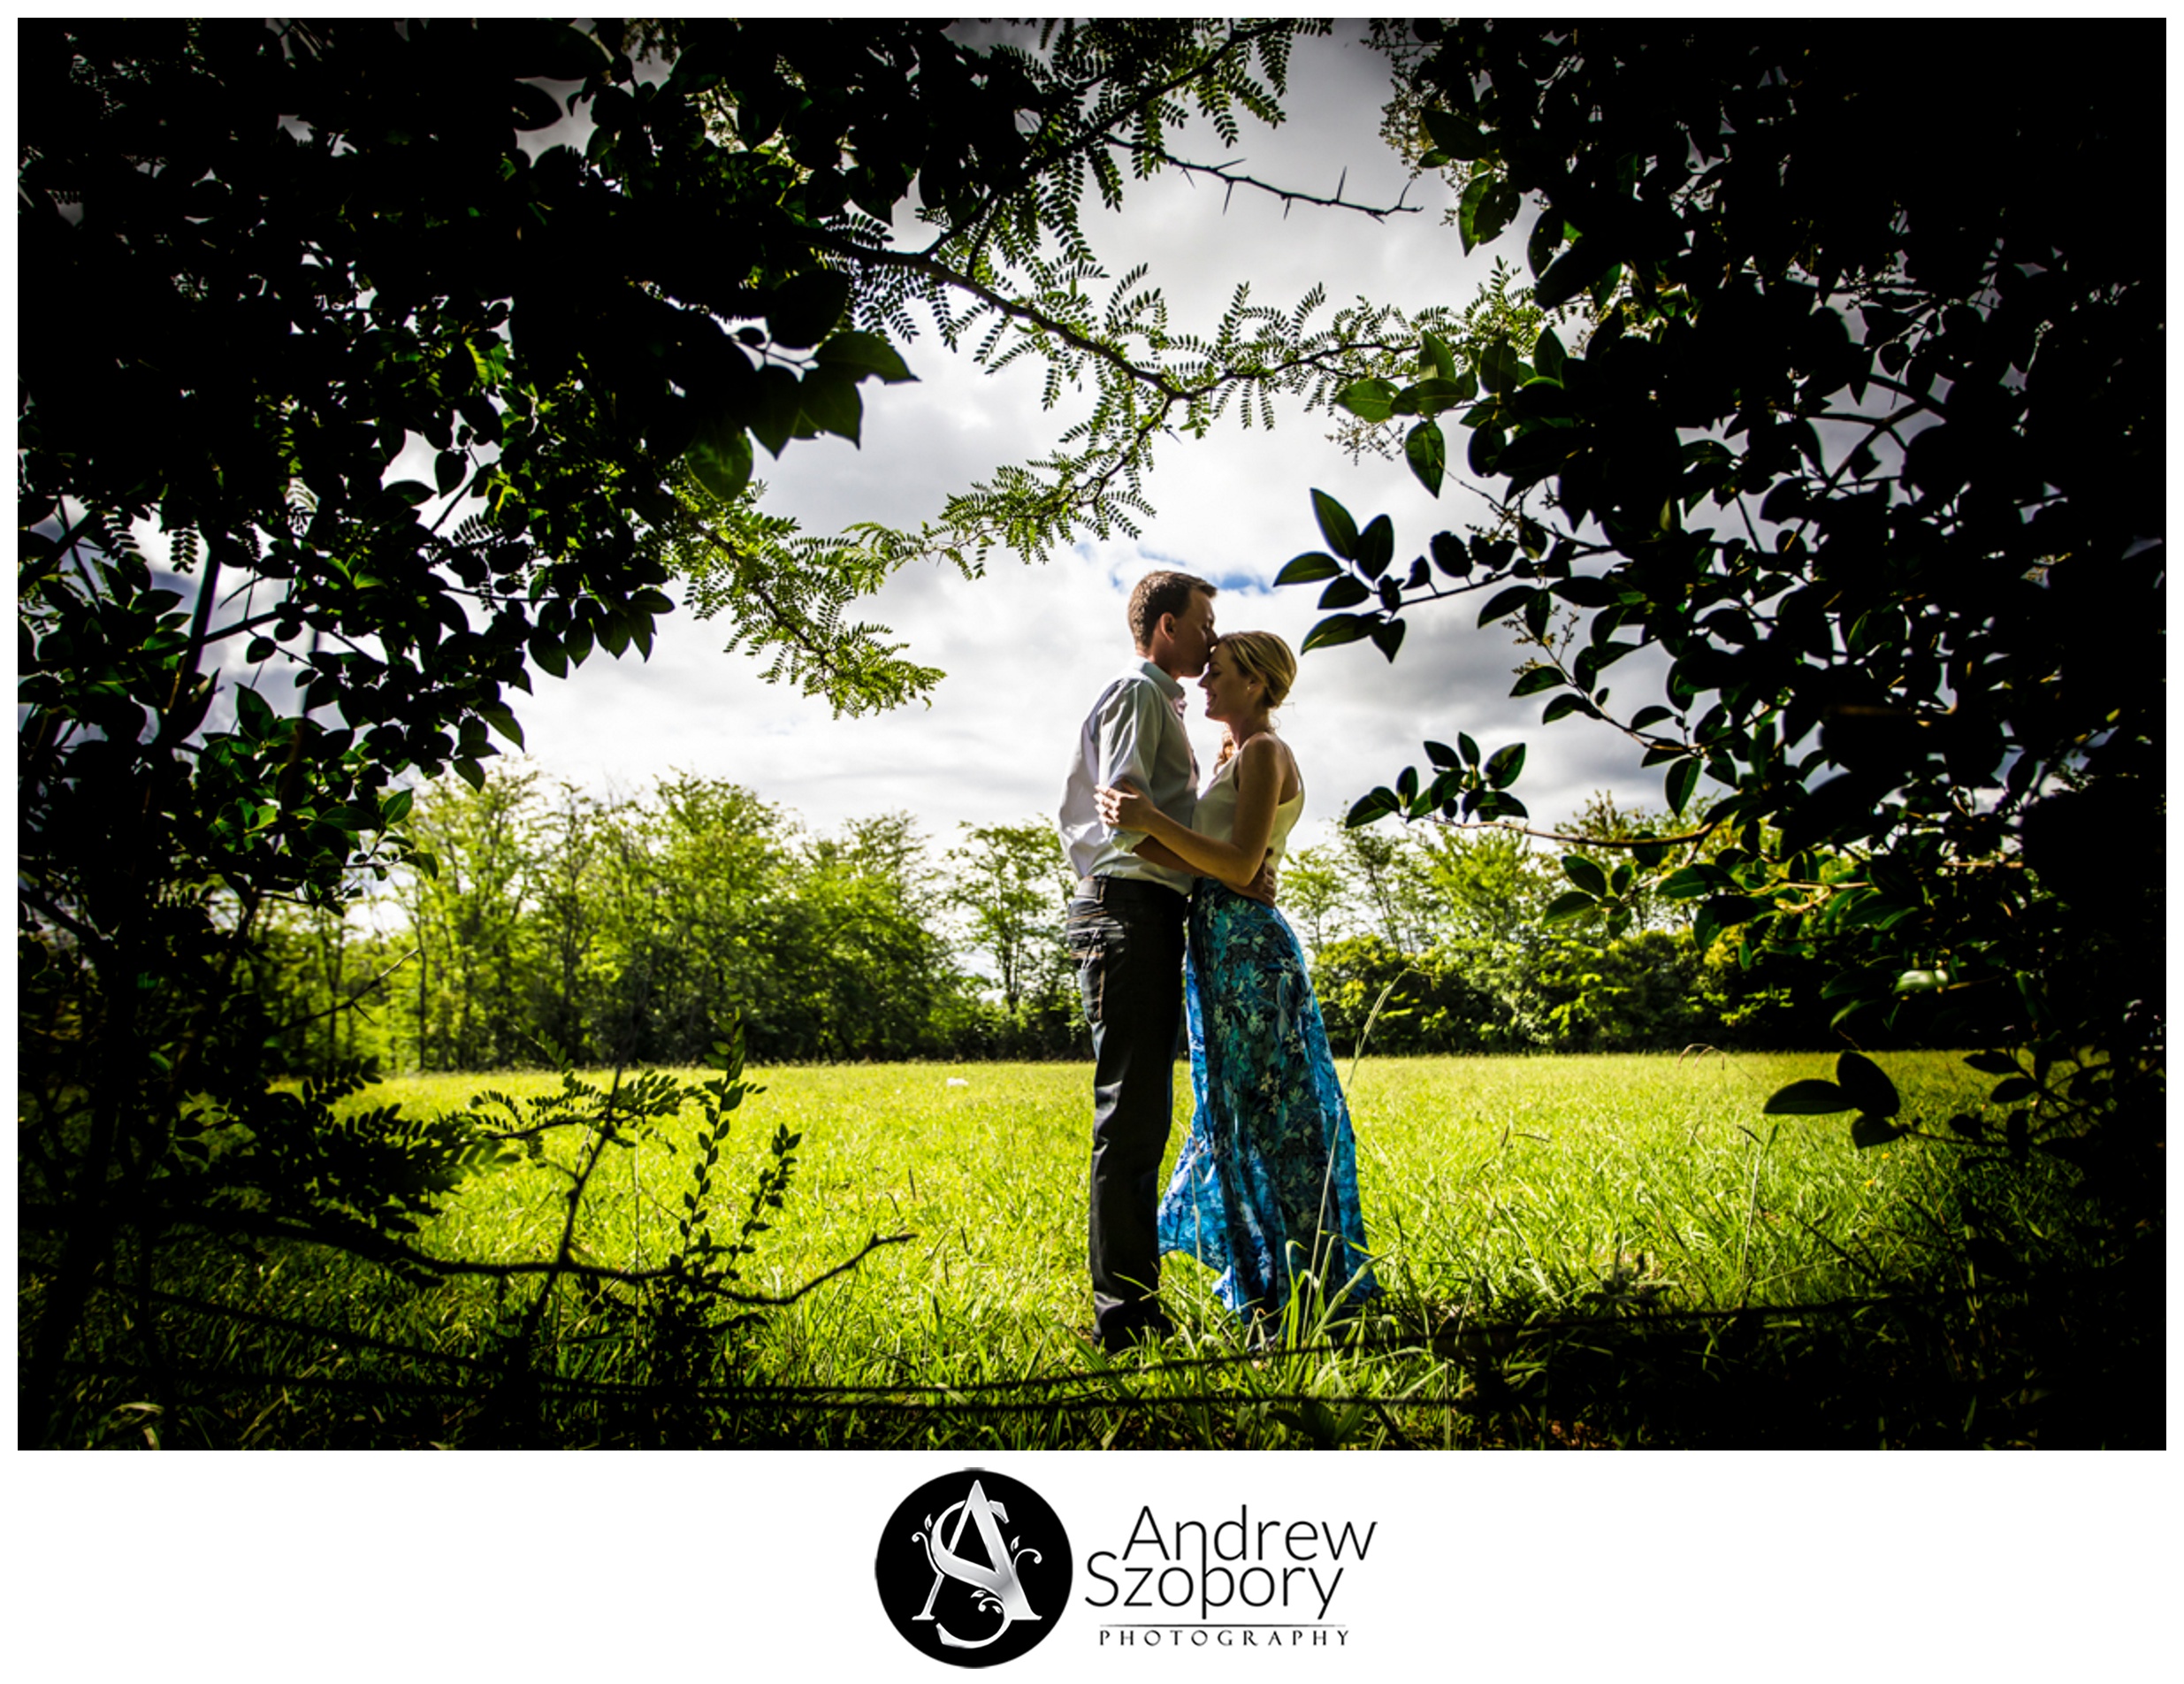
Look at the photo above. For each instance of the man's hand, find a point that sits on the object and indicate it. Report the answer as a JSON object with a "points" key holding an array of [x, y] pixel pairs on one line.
{"points": [[1261, 888], [1122, 808]]}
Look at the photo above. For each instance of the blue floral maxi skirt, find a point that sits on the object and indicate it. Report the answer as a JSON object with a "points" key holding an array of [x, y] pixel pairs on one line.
{"points": [[1266, 1187]]}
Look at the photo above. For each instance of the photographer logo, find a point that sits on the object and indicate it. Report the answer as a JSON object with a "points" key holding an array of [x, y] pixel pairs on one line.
{"points": [[973, 1568]]}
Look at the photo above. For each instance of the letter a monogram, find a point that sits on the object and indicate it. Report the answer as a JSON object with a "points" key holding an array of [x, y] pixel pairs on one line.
{"points": [[996, 1545], [993, 1580]]}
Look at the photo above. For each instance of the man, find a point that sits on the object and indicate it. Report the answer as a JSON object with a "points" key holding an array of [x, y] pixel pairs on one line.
{"points": [[1126, 929]]}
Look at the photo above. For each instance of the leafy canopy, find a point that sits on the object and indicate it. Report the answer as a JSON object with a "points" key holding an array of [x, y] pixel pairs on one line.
{"points": [[416, 398], [1860, 426]]}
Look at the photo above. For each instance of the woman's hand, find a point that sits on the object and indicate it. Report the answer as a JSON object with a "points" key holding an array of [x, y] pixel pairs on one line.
{"points": [[1123, 808]]}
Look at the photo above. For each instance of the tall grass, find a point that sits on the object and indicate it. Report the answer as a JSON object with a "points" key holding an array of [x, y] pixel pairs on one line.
{"points": [[1573, 1250]]}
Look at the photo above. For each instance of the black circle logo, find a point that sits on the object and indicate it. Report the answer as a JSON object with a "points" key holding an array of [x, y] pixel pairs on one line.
{"points": [[973, 1568]]}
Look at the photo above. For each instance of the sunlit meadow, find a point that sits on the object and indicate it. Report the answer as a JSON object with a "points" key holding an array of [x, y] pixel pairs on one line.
{"points": [[1480, 1176], [1565, 1247]]}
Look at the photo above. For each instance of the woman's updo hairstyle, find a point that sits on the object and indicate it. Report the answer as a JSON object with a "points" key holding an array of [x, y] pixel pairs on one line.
{"points": [[1264, 656]]}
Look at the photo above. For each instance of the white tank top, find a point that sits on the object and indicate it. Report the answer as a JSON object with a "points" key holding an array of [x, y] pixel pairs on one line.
{"points": [[1217, 810]]}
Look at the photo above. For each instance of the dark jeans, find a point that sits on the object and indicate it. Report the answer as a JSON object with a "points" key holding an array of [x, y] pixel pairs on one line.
{"points": [[1127, 939]]}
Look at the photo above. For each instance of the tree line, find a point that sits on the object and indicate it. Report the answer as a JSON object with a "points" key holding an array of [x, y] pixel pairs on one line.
{"points": [[537, 921]]}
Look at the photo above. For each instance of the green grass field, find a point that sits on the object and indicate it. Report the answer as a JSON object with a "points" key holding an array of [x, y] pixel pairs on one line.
{"points": [[1493, 1176], [1565, 1243]]}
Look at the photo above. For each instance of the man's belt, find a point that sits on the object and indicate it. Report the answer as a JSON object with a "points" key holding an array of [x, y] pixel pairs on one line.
{"points": [[1109, 889]]}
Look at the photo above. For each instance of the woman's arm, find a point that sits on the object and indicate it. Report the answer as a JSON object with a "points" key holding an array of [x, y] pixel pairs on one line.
{"points": [[1235, 863], [1262, 888], [1153, 854]]}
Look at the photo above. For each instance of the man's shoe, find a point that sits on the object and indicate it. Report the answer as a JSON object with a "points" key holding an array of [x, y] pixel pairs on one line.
{"points": [[1114, 1341]]}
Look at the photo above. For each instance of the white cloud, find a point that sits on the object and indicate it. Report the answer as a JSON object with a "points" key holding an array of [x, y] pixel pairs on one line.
{"points": [[1027, 648]]}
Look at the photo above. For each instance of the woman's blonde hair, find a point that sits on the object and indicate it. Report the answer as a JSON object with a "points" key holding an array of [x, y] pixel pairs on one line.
{"points": [[1264, 656], [1261, 655]]}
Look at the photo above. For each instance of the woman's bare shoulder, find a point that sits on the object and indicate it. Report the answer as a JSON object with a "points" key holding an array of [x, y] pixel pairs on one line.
{"points": [[1270, 757]]}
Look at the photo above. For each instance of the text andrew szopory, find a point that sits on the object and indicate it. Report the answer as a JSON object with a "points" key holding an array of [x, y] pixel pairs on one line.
{"points": [[1234, 1564]]}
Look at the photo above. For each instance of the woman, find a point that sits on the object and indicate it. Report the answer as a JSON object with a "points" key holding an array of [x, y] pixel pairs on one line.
{"points": [[1266, 1188]]}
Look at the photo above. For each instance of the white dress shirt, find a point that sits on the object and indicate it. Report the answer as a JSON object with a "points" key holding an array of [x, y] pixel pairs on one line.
{"points": [[1133, 734]]}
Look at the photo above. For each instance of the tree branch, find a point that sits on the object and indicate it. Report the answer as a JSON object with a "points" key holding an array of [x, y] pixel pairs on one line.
{"points": [[889, 257], [747, 576], [1227, 173], [356, 995], [1091, 133], [594, 1272]]}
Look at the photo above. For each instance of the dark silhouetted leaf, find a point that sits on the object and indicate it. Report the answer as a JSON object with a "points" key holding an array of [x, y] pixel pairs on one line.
{"points": [[531, 107], [1584, 266], [1430, 396], [1450, 556], [1867, 1131], [1581, 590], [805, 308], [1503, 770], [1547, 356], [1308, 569], [1503, 603], [865, 353], [1427, 452], [1499, 366], [503, 721], [1376, 547], [1369, 399], [720, 455], [1475, 193], [1688, 883], [1867, 1085], [1808, 1099], [1452, 134], [1540, 246], [1683, 778], [1493, 211], [827, 397], [1378, 805], [1585, 873], [1336, 525], [779, 404], [1337, 628]]}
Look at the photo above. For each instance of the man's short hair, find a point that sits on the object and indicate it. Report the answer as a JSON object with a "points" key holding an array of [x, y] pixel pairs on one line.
{"points": [[1159, 593]]}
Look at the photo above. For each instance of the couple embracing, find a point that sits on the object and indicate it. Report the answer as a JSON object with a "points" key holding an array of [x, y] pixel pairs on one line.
{"points": [[1173, 920]]}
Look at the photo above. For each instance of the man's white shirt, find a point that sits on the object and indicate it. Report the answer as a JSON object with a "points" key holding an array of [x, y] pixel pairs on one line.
{"points": [[1133, 734]]}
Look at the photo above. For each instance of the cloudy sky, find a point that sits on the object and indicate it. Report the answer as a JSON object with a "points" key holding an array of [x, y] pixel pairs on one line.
{"points": [[1027, 648]]}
